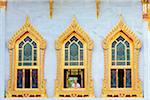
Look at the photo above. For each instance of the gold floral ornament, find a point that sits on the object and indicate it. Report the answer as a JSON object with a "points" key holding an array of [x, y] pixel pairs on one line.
{"points": [[74, 52], [26, 52], [121, 53], [146, 11]]}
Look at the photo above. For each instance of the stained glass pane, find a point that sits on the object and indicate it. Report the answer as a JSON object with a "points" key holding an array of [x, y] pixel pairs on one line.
{"points": [[34, 78], [81, 54], [128, 54], [27, 78], [128, 63], [73, 63], [120, 51], [80, 44], [74, 52], [120, 38], [81, 63], [20, 55], [34, 44], [21, 44], [27, 39], [120, 63], [73, 39], [67, 44], [113, 54], [120, 78], [27, 52], [35, 55], [27, 64], [19, 78], [113, 78], [113, 63], [127, 44], [128, 78], [113, 44], [66, 55]]}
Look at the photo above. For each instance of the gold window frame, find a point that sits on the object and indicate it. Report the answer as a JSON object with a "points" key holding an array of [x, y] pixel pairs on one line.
{"points": [[136, 91], [12, 90], [88, 91]]}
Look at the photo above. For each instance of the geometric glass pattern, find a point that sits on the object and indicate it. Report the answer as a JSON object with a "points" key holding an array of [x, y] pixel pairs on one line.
{"points": [[27, 52], [120, 52], [27, 56], [19, 78], [34, 78], [73, 52]]}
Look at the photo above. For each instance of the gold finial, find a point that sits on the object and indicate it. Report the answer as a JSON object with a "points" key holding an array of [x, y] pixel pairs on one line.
{"points": [[27, 20], [97, 8], [51, 8]]}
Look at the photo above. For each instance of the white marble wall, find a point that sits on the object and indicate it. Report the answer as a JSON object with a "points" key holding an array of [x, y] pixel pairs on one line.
{"points": [[85, 12], [2, 52]]}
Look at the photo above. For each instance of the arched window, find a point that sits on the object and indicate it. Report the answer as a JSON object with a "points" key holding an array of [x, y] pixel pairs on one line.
{"points": [[121, 52], [27, 58], [26, 50], [120, 77], [74, 52], [74, 57], [74, 48]]}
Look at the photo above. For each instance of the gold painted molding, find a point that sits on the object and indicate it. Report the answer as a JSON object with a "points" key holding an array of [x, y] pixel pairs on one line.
{"points": [[3, 3], [12, 91], [74, 29], [136, 91]]}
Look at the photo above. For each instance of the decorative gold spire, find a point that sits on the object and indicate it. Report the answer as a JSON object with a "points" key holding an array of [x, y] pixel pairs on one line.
{"points": [[97, 8], [3, 3], [51, 8]]}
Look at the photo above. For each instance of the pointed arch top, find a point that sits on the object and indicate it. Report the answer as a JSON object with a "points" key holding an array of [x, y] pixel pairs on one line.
{"points": [[29, 29], [73, 27], [122, 27]]}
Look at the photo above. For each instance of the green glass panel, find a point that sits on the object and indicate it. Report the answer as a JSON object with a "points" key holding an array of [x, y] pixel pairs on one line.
{"points": [[113, 54], [27, 52], [120, 51], [20, 55], [128, 54], [74, 52], [81, 54], [66, 55], [35, 55], [80, 43], [27, 64]]}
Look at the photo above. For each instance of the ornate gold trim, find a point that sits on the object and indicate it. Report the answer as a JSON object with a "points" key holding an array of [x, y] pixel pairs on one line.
{"points": [[60, 91], [136, 91], [41, 90], [97, 8]]}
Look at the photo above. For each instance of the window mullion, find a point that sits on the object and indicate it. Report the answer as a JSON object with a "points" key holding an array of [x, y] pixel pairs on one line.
{"points": [[124, 78], [30, 78]]}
